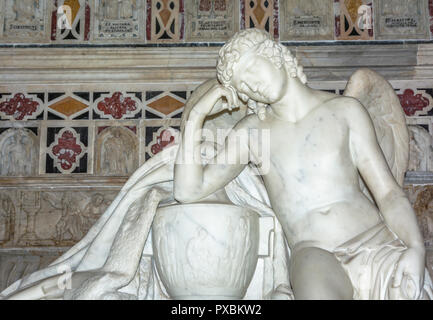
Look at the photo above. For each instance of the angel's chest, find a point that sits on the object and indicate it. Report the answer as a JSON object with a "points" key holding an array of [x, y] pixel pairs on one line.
{"points": [[313, 137]]}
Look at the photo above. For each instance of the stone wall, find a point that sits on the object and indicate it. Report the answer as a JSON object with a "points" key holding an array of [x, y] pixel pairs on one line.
{"points": [[82, 108], [204, 21]]}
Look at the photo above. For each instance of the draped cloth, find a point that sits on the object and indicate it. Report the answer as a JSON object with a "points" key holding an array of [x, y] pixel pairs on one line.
{"points": [[370, 260]]}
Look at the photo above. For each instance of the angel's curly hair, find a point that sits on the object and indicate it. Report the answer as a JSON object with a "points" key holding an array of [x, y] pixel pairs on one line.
{"points": [[262, 43]]}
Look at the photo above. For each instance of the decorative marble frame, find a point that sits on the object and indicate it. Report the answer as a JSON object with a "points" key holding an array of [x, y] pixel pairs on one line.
{"points": [[85, 21], [178, 22]]}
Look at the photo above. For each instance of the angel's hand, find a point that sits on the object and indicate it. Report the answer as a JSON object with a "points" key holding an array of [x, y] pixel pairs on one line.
{"points": [[409, 273], [215, 100]]}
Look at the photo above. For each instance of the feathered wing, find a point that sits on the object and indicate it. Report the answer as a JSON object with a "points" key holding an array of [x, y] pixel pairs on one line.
{"points": [[383, 105]]}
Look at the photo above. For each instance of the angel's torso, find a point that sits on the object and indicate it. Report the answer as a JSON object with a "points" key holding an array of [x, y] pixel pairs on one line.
{"points": [[311, 179]]}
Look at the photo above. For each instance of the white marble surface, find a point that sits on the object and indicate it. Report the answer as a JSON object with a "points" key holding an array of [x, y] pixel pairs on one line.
{"points": [[310, 149], [313, 181]]}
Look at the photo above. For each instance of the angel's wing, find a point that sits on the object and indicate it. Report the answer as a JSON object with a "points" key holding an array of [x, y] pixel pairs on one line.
{"points": [[383, 105]]}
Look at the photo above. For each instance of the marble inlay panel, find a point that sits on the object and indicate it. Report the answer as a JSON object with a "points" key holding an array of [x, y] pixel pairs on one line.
{"points": [[158, 138], [262, 14], [70, 20], [416, 102], [165, 20], [67, 150], [354, 19]]}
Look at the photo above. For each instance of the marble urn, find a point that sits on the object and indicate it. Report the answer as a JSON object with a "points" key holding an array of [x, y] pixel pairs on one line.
{"points": [[205, 251]]}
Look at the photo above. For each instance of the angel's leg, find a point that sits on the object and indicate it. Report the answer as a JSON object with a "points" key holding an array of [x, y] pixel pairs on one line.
{"points": [[316, 274]]}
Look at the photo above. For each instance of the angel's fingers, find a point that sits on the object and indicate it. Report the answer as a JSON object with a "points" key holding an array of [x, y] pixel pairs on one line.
{"points": [[410, 287], [418, 287], [398, 276], [235, 96], [229, 97]]}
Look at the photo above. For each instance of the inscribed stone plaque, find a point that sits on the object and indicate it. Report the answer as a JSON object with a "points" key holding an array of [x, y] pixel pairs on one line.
{"points": [[122, 19], [24, 20], [211, 20], [401, 19], [307, 20]]}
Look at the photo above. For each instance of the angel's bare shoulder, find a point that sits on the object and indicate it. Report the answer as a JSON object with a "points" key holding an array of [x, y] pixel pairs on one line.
{"points": [[347, 108]]}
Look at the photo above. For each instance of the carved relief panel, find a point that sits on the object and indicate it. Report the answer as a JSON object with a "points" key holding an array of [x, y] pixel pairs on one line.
{"points": [[211, 20], [16, 264], [45, 218], [401, 19], [307, 20], [25, 20], [122, 20], [19, 150], [7, 218], [420, 149], [116, 152]]}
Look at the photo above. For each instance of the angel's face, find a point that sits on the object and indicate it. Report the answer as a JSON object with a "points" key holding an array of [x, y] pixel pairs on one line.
{"points": [[259, 79]]}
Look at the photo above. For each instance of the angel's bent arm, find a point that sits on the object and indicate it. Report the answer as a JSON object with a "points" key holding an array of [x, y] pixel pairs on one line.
{"points": [[193, 180]]}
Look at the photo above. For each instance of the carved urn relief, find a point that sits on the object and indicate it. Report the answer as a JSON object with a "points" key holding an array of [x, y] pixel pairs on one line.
{"points": [[206, 251]]}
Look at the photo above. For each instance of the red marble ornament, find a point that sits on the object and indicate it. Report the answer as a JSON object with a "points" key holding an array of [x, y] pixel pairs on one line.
{"points": [[117, 106], [412, 102], [19, 106], [165, 139], [67, 150]]}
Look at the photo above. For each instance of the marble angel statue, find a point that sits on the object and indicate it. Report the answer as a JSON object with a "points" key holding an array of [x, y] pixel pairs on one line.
{"points": [[329, 168]]}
